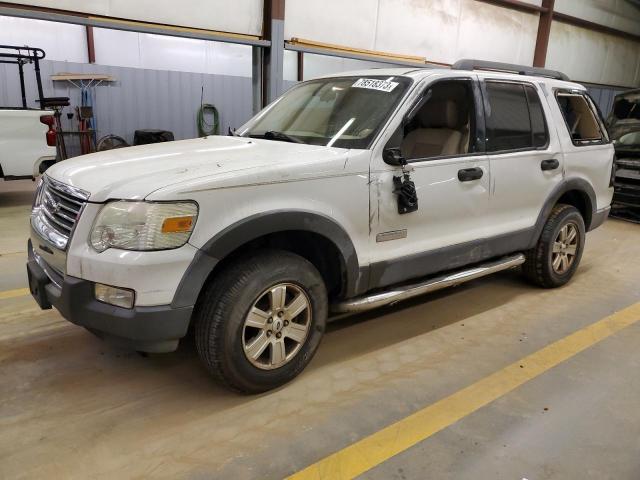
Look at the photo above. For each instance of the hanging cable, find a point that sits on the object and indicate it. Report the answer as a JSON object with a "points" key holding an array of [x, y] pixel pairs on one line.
{"points": [[205, 128]]}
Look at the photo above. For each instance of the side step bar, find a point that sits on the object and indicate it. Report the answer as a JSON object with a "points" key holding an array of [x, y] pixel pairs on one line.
{"points": [[403, 292]]}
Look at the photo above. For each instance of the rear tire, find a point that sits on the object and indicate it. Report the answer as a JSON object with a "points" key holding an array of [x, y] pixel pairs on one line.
{"points": [[556, 256], [260, 322]]}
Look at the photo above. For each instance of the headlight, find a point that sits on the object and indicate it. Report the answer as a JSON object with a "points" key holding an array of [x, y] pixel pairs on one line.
{"points": [[143, 225]]}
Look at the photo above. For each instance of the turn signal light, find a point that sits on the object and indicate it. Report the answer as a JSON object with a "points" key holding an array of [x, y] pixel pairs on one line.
{"points": [[120, 297], [177, 224]]}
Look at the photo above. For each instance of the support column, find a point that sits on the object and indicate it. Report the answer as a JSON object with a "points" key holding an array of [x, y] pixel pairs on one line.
{"points": [[274, 55], [91, 49], [544, 28], [257, 79], [300, 66]]}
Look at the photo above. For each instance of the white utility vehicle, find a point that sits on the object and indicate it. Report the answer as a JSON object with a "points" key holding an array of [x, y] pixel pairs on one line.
{"points": [[26, 146], [27, 136], [347, 193]]}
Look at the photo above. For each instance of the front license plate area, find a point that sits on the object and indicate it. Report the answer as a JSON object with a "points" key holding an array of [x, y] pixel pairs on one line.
{"points": [[37, 282]]}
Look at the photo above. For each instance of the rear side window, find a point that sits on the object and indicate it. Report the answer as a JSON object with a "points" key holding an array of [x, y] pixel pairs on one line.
{"points": [[514, 117], [580, 118]]}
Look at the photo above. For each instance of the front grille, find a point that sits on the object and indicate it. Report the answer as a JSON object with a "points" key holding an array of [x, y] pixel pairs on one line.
{"points": [[56, 209]]}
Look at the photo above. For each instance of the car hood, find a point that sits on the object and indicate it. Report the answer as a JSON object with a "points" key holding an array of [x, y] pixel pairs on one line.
{"points": [[134, 173]]}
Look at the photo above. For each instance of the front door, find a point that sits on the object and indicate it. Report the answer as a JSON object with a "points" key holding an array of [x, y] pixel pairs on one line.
{"points": [[526, 158], [441, 139]]}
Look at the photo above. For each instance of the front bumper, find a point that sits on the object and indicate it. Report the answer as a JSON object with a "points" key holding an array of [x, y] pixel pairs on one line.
{"points": [[148, 329]]}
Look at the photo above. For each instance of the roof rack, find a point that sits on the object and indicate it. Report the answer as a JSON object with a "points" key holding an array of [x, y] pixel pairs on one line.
{"points": [[21, 55], [471, 64]]}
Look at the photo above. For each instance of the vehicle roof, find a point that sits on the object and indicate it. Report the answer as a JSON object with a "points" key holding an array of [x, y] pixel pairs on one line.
{"points": [[424, 72]]}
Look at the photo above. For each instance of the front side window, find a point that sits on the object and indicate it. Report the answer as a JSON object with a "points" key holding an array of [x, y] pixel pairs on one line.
{"points": [[514, 117], [342, 112], [443, 123], [580, 118]]}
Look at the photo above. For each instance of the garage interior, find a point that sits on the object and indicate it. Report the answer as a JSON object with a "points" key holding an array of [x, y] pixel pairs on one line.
{"points": [[492, 379]]}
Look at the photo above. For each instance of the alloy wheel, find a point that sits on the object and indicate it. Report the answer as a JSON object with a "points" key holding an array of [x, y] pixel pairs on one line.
{"points": [[565, 247], [277, 326]]}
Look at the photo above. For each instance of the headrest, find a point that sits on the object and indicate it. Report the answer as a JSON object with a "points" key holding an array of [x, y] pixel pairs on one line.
{"points": [[440, 113]]}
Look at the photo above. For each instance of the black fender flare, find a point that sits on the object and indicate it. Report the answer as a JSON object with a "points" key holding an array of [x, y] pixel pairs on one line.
{"points": [[578, 184], [256, 226]]}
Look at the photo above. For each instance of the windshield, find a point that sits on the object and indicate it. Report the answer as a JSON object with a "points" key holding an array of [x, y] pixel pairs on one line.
{"points": [[344, 112]]}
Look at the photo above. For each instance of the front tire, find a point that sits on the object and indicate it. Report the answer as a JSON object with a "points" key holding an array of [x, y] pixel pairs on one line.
{"points": [[258, 325], [556, 256]]}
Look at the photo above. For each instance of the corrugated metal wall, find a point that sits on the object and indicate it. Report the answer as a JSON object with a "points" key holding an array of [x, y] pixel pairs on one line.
{"points": [[448, 30], [239, 16], [140, 98], [440, 30], [287, 84]]}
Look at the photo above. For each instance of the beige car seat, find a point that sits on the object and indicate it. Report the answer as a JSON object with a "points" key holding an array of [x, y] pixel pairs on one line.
{"points": [[441, 132]]}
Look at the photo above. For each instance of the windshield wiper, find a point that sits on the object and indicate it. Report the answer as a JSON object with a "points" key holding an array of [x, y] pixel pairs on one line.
{"points": [[274, 135]]}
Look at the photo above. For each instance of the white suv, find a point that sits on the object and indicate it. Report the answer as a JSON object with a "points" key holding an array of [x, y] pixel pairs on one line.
{"points": [[347, 193]]}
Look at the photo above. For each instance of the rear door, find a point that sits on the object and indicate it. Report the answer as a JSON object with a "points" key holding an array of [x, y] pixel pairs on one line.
{"points": [[525, 156]]}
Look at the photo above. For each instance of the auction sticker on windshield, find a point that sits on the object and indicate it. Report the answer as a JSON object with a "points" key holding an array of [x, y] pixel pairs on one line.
{"points": [[373, 84]]}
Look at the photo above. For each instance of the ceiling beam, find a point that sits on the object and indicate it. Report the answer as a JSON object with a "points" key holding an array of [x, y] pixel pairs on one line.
{"points": [[547, 8], [300, 72], [516, 5], [596, 27]]}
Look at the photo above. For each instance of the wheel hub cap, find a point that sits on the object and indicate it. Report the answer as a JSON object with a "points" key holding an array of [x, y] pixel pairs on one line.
{"points": [[565, 248], [277, 326]]}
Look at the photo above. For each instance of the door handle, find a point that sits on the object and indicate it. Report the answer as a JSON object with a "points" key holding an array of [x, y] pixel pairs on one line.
{"points": [[550, 164], [470, 174]]}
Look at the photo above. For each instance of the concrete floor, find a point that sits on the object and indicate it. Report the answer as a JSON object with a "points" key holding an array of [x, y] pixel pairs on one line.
{"points": [[74, 407]]}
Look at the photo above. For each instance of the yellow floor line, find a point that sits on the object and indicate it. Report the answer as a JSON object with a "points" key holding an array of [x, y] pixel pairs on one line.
{"points": [[18, 292], [8, 254], [365, 454]]}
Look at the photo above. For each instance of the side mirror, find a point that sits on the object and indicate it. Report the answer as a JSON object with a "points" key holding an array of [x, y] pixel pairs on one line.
{"points": [[393, 156]]}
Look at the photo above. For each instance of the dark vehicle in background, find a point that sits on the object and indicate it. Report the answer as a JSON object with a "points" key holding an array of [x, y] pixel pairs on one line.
{"points": [[624, 127]]}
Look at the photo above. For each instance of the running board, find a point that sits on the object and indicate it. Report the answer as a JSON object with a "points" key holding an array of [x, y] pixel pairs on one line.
{"points": [[403, 292]]}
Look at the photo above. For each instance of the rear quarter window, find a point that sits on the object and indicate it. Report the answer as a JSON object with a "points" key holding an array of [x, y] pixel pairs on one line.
{"points": [[580, 118]]}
